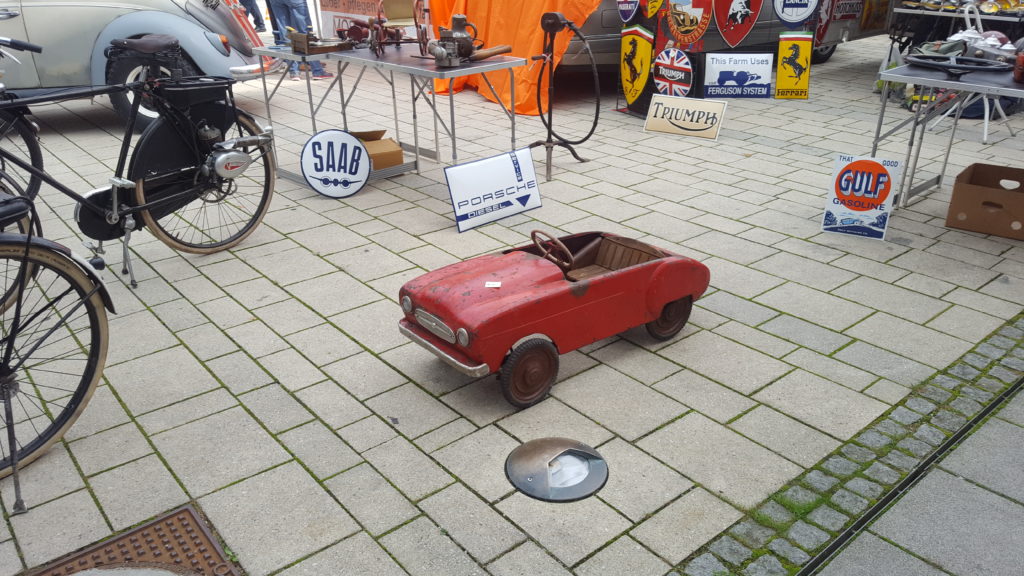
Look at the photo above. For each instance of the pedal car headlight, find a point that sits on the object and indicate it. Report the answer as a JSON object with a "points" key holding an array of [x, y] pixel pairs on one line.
{"points": [[463, 337], [407, 304]]}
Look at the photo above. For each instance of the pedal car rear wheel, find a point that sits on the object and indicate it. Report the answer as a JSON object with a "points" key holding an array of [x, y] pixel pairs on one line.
{"points": [[529, 372], [674, 317]]}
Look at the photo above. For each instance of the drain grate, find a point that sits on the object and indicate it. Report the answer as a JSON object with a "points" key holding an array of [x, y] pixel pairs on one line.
{"points": [[178, 541]]}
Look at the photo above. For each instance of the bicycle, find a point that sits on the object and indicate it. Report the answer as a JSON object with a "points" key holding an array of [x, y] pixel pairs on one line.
{"points": [[53, 337], [196, 189]]}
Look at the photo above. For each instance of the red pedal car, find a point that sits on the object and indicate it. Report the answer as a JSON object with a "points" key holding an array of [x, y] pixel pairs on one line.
{"points": [[514, 312]]}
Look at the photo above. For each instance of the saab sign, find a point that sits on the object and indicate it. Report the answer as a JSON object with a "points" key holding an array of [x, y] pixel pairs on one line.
{"points": [[493, 188], [686, 116]]}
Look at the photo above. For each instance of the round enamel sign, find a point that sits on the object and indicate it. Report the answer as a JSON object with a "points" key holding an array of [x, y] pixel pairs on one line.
{"points": [[335, 163]]}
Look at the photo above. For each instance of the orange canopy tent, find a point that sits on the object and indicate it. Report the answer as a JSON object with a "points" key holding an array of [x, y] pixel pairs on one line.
{"points": [[518, 25]]}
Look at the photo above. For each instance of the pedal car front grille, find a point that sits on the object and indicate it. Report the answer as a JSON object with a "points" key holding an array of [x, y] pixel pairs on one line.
{"points": [[436, 326]]}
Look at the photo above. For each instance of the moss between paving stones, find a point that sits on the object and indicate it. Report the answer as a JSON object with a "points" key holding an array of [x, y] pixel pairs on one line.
{"points": [[806, 514]]}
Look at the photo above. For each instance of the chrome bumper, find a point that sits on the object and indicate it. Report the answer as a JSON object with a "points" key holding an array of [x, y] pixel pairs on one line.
{"points": [[474, 371]]}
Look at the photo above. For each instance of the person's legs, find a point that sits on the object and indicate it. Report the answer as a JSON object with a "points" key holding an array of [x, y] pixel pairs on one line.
{"points": [[253, 10], [286, 18], [278, 36], [316, 68]]}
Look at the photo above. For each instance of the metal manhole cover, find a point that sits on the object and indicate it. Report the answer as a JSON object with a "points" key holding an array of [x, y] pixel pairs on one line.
{"points": [[175, 544]]}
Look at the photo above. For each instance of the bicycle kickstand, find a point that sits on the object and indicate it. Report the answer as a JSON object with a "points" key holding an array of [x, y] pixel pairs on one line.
{"points": [[126, 259]]}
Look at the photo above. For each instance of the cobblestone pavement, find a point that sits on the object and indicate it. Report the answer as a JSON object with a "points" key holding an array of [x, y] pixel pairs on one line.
{"points": [[270, 387]]}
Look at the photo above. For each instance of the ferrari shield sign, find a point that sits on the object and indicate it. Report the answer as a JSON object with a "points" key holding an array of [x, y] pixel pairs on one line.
{"points": [[735, 19], [637, 45], [792, 75], [860, 199], [493, 188]]}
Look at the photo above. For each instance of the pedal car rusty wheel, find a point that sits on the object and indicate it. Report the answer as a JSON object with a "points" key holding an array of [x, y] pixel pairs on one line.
{"points": [[673, 318], [529, 372]]}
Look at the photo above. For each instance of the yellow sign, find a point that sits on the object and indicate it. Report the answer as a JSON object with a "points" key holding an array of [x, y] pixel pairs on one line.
{"points": [[793, 74], [653, 6], [637, 46], [685, 116]]}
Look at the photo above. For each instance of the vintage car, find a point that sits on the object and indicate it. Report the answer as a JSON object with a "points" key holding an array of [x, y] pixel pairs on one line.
{"points": [[514, 312]]}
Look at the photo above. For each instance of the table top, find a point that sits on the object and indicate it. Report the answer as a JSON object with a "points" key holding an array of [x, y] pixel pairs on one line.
{"points": [[408, 61], [957, 14], [286, 53], [991, 83]]}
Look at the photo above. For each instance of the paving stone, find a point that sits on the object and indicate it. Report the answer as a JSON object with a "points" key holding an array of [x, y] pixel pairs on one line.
{"points": [[730, 550], [976, 394], [1011, 332], [868, 555], [900, 460], [624, 556], [319, 449], [471, 522], [776, 512], [478, 460], [806, 536], [884, 363], [709, 398], [991, 457], [834, 370], [137, 491], [904, 416], [1004, 374], [946, 382], [1001, 342], [445, 435], [223, 458], [553, 418], [275, 408], [747, 371], [799, 496], [827, 406], [864, 487], [705, 565], [239, 372], [682, 527], [891, 428], [819, 481], [991, 384], [695, 443], [41, 539], [423, 550], [10, 562], [745, 311], [841, 466], [646, 487], [857, 453], [109, 448], [791, 553], [930, 434], [915, 447], [989, 350], [873, 439], [367, 433], [615, 400], [786, 436], [410, 470], [887, 391], [805, 334], [976, 360], [947, 420], [570, 531], [964, 371], [848, 501], [934, 394], [410, 410], [766, 565], [363, 375], [908, 339], [919, 405], [275, 518], [635, 361], [751, 533], [133, 380], [828, 518], [335, 406], [356, 555], [527, 560], [1013, 363]]}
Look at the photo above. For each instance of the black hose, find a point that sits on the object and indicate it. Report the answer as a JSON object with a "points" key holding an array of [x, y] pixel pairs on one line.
{"points": [[597, 93]]}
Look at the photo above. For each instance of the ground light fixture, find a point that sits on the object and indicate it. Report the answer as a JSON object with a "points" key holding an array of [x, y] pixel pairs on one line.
{"points": [[556, 469]]}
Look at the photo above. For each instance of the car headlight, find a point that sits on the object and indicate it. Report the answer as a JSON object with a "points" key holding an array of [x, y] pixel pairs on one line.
{"points": [[407, 304], [463, 337]]}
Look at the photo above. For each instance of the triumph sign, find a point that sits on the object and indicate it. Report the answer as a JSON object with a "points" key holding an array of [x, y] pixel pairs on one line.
{"points": [[686, 116]]}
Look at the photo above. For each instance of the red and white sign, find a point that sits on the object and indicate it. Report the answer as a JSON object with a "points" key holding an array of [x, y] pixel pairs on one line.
{"points": [[735, 19]]}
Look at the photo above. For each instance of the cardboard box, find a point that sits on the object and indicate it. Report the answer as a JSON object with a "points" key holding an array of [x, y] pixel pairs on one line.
{"points": [[384, 152], [988, 199]]}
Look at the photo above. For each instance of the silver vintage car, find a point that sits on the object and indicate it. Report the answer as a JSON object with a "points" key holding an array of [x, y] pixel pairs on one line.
{"points": [[74, 35]]}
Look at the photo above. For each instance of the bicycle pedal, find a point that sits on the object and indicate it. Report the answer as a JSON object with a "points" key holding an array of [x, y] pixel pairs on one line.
{"points": [[94, 247], [97, 263]]}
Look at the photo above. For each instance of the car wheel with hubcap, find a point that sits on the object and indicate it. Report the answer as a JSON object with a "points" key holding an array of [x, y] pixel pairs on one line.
{"points": [[529, 372], [673, 318]]}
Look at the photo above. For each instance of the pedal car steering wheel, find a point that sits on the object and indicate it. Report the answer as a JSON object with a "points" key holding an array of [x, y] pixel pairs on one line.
{"points": [[548, 245]]}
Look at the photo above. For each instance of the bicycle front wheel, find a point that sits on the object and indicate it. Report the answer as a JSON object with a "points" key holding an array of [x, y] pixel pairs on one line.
{"points": [[219, 214], [58, 350], [19, 139]]}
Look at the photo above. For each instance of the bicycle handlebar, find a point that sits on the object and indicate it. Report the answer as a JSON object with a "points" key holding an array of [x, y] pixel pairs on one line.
{"points": [[19, 45]]}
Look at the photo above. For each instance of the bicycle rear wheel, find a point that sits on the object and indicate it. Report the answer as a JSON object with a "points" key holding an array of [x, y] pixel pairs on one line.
{"points": [[219, 213], [18, 138], [58, 350]]}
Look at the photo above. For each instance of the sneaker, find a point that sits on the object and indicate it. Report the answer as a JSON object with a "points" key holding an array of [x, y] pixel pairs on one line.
{"points": [[322, 75], [261, 29]]}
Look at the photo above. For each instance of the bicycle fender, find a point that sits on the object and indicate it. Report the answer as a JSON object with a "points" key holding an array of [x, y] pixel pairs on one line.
{"points": [[108, 303]]}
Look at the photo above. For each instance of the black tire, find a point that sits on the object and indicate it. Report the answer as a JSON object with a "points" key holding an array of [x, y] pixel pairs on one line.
{"points": [[673, 318], [19, 138], [212, 219], [529, 372], [821, 54], [59, 350], [128, 69]]}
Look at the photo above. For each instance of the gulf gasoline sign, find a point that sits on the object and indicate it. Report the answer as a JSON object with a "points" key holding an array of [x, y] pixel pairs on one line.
{"points": [[860, 199]]}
